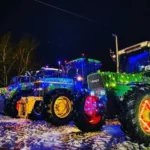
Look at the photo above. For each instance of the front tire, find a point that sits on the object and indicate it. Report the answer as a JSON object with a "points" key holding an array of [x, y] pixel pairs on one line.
{"points": [[135, 115], [59, 107], [38, 111], [89, 114]]}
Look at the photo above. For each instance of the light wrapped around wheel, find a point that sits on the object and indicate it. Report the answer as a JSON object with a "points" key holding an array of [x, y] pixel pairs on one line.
{"points": [[93, 108]]}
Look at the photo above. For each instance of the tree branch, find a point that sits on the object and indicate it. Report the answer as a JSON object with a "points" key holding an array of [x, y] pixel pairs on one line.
{"points": [[11, 66]]}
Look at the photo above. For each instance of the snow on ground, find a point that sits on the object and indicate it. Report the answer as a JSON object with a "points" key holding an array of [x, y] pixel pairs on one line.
{"points": [[25, 134]]}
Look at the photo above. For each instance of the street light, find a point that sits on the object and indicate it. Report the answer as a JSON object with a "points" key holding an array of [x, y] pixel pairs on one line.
{"points": [[117, 57]]}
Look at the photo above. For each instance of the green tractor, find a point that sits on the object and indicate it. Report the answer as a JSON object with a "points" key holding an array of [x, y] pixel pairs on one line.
{"points": [[128, 88]]}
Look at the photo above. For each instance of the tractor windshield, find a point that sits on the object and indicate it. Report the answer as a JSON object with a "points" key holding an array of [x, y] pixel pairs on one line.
{"points": [[49, 72], [135, 62], [135, 58], [83, 67]]}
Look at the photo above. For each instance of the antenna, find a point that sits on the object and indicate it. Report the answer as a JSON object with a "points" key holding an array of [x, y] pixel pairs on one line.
{"points": [[117, 56]]}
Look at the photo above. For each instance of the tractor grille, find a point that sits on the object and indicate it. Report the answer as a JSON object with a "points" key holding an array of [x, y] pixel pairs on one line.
{"points": [[94, 81]]}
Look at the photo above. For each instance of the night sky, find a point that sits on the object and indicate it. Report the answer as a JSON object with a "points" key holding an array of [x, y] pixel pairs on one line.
{"points": [[64, 36]]}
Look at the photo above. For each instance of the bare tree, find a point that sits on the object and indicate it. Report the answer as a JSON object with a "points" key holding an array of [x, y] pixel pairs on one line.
{"points": [[16, 59], [7, 59], [25, 54]]}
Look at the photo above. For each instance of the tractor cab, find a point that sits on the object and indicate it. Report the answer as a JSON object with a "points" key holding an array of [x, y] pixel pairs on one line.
{"points": [[80, 68], [135, 59]]}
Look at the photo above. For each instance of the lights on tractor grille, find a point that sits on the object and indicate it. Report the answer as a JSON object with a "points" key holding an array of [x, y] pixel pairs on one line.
{"points": [[103, 92], [98, 92]]}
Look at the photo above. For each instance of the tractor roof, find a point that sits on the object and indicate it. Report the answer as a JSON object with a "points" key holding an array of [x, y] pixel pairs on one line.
{"points": [[78, 60], [51, 69], [133, 48]]}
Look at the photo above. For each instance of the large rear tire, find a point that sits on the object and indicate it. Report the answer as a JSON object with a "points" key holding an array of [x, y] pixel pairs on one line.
{"points": [[89, 114], [135, 115], [59, 107]]}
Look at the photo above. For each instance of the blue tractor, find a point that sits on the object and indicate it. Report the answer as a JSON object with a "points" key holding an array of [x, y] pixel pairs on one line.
{"points": [[18, 86], [55, 91]]}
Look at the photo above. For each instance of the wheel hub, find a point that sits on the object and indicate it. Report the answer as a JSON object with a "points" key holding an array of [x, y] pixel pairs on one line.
{"points": [[62, 107], [144, 115], [92, 109]]}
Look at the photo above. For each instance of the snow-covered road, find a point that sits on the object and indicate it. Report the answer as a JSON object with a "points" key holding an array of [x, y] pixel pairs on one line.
{"points": [[39, 135]]}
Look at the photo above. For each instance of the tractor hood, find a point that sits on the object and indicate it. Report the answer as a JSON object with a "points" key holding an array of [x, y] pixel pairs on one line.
{"points": [[118, 82], [54, 83]]}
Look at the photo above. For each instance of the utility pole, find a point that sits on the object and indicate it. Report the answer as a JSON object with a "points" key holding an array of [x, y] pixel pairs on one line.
{"points": [[117, 56]]}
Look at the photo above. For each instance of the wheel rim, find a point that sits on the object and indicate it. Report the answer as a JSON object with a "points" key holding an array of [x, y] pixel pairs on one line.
{"points": [[144, 115], [92, 109], [62, 107]]}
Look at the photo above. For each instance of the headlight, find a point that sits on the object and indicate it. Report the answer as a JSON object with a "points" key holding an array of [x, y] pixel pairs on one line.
{"points": [[92, 93], [103, 92], [79, 78], [98, 92]]}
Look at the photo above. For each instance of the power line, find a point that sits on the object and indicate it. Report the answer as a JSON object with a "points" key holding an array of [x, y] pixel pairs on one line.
{"points": [[65, 11]]}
